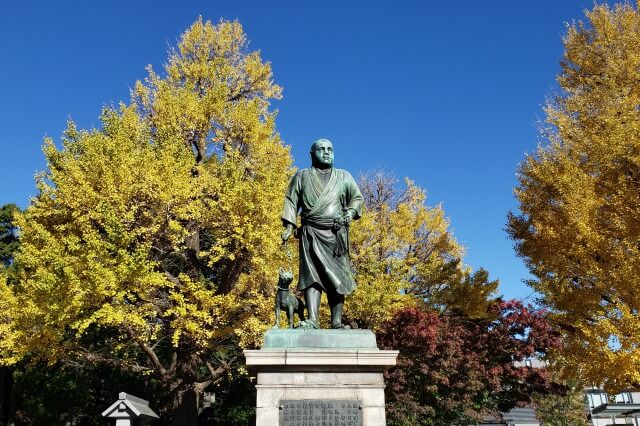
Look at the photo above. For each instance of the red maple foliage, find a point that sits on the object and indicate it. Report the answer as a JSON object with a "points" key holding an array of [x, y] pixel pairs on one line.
{"points": [[455, 369]]}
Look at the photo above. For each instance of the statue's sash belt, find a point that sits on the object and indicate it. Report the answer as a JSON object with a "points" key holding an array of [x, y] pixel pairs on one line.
{"points": [[318, 222], [342, 234]]}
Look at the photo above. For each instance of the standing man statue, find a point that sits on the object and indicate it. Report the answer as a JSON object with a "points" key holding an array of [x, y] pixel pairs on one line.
{"points": [[327, 199]]}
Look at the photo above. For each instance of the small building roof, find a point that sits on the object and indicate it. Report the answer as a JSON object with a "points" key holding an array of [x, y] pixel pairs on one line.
{"points": [[608, 410], [129, 406], [515, 416]]}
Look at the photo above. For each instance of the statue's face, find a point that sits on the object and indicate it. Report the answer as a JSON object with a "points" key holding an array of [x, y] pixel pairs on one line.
{"points": [[322, 154]]}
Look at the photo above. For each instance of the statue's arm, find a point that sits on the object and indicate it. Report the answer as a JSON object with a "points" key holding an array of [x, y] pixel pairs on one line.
{"points": [[355, 201], [291, 205]]}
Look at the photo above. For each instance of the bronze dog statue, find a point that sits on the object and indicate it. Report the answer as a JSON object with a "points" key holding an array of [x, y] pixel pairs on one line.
{"points": [[286, 300]]}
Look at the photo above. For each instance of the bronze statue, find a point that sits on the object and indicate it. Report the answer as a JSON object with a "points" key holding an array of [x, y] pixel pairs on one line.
{"points": [[327, 199]]}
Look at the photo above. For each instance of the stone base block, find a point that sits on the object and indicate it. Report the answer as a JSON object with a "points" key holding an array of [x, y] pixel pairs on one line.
{"points": [[320, 374]]}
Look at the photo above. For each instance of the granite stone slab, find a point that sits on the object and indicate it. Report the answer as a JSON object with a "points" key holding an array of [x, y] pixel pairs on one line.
{"points": [[319, 366]]}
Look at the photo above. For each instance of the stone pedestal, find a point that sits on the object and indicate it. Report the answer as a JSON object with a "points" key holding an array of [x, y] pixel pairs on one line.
{"points": [[320, 365]]}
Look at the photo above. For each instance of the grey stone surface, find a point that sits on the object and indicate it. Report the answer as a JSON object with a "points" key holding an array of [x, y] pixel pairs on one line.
{"points": [[320, 374], [320, 378], [319, 338], [373, 416], [267, 417], [320, 359]]}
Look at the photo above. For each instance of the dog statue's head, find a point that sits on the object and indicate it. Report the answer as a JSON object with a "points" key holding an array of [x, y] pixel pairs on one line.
{"points": [[284, 278]]}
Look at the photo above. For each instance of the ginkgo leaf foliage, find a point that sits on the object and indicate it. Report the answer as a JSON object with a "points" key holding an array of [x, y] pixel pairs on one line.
{"points": [[403, 251], [152, 242], [579, 227]]}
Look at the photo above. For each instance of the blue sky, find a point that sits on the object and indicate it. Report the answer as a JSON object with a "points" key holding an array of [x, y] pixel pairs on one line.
{"points": [[445, 93]]}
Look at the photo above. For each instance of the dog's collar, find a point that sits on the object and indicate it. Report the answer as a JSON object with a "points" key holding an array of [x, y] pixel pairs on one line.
{"points": [[283, 289]]}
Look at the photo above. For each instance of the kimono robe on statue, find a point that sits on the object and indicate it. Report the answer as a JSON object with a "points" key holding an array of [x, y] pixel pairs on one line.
{"points": [[324, 250]]}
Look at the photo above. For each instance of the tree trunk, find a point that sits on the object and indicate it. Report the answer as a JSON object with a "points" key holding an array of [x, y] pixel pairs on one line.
{"points": [[180, 404], [6, 387], [231, 273], [186, 414], [181, 409]]}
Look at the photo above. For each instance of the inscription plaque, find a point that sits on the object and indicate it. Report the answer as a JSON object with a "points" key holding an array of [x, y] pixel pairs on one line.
{"points": [[320, 412]]}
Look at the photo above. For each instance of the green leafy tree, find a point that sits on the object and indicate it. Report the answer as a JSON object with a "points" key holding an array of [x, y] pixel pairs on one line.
{"points": [[6, 373], [8, 233], [65, 394], [8, 246], [566, 408], [151, 246], [578, 229], [235, 403]]}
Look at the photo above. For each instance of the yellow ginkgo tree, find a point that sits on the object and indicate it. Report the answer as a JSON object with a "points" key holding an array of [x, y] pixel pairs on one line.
{"points": [[579, 227], [402, 250], [152, 243]]}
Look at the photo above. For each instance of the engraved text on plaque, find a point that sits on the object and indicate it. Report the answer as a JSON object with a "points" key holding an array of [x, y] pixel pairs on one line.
{"points": [[320, 412]]}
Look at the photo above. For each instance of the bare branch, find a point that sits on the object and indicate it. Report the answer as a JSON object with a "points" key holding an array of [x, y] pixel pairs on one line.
{"points": [[222, 368], [94, 358], [201, 386], [174, 361], [148, 350], [214, 372], [175, 281], [248, 88]]}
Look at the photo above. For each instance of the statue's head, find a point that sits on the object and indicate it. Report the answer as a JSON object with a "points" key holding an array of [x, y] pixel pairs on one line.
{"points": [[322, 154]]}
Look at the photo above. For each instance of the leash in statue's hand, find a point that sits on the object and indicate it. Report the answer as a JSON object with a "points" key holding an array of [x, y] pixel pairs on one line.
{"points": [[288, 253], [341, 229]]}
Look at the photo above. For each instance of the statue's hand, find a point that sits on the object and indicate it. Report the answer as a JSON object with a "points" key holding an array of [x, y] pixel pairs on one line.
{"points": [[286, 232], [345, 218], [348, 215]]}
